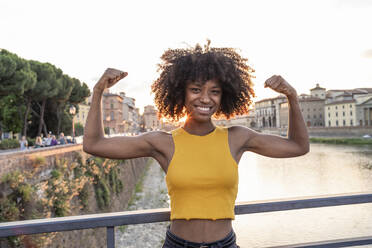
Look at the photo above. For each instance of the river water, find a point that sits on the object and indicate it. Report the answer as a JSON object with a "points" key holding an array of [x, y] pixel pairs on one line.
{"points": [[326, 169]]}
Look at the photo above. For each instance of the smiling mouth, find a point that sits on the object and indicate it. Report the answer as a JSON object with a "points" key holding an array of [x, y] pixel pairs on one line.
{"points": [[204, 109]]}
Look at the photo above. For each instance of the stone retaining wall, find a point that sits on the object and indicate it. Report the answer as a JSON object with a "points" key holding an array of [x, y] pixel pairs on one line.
{"points": [[24, 161]]}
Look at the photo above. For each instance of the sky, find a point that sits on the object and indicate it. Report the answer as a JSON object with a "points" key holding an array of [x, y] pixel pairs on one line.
{"points": [[307, 42]]}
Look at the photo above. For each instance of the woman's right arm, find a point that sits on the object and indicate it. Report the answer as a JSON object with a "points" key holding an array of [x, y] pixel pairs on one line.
{"points": [[122, 147]]}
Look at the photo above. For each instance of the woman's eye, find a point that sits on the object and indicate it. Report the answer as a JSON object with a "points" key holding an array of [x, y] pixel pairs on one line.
{"points": [[195, 90], [216, 92]]}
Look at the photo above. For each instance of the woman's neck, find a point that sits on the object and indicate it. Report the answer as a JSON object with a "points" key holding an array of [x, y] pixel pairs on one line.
{"points": [[198, 128]]}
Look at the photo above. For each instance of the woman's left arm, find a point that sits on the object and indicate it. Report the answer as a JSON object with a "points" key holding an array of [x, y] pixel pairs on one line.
{"points": [[297, 141]]}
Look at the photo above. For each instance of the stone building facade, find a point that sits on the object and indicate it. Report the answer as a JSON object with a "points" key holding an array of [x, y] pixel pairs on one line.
{"points": [[267, 112], [312, 110], [112, 111], [349, 107], [131, 114], [150, 119], [248, 120], [81, 116]]}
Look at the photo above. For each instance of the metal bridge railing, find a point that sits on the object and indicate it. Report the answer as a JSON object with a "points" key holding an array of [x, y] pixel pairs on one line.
{"points": [[110, 220]]}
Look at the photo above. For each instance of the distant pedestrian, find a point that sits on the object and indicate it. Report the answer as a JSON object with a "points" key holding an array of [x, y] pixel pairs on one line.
{"points": [[62, 139], [47, 140], [38, 142], [54, 141], [23, 143]]}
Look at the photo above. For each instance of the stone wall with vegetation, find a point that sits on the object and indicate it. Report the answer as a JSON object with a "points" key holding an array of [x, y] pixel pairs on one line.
{"points": [[63, 182]]}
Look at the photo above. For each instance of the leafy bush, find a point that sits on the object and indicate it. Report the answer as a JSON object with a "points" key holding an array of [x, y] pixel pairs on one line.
{"points": [[38, 161], [31, 142], [344, 141], [79, 129], [9, 144]]}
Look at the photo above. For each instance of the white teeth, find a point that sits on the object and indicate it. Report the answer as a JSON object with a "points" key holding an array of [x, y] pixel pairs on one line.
{"points": [[203, 108]]}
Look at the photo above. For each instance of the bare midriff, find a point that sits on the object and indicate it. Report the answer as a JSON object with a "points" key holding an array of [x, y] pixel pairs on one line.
{"points": [[199, 230]]}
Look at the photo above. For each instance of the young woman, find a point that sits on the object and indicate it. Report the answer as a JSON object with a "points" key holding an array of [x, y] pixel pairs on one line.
{"points": [[200, 160], [38, 142]]}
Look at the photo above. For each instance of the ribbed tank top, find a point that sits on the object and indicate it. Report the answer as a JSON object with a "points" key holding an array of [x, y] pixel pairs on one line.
{"points": [[202, 177]]}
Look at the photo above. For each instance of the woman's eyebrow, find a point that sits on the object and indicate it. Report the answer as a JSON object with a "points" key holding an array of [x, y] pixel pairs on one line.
{"points": [[196, 84]]}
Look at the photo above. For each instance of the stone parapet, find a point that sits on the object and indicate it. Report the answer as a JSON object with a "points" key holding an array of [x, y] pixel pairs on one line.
{"points": [[24, 160]]}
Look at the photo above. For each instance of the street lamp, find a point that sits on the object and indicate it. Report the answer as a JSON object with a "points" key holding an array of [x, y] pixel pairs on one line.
{"points": [[73, 112]]}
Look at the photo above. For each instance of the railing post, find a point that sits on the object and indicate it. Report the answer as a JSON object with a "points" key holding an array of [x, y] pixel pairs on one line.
{"points": [[110, 237]]}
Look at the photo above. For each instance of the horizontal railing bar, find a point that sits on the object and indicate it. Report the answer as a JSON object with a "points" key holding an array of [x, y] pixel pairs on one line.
{"points": [[159, 215], [83, 222], [331, 243], [302, 203]]}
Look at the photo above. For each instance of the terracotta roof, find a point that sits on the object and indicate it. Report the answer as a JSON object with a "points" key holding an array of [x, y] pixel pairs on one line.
{"points": [[367, 90], [340, 102], [317, 88], [310, 99], [365, 101], [110, 94], [270, 99]]}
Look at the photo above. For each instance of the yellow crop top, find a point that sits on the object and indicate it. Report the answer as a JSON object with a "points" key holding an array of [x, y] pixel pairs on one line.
{"points": [[202, 177]]}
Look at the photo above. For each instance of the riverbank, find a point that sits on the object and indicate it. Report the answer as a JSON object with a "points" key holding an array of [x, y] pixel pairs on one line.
{"points": [[343, 141], [150, 192]]}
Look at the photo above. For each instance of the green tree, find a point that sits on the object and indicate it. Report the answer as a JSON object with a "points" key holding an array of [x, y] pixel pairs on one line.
{"points": [[11, 109], [66, 85], [80, 91], [46, 87], [16, 77]]}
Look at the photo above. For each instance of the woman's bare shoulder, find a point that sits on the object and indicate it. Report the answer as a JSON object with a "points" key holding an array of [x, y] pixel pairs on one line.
{"points": [[240, 130], [159, 139]]}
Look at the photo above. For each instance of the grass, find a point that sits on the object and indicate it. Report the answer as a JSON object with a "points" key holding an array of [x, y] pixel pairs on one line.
{"points": [[342, 141]]}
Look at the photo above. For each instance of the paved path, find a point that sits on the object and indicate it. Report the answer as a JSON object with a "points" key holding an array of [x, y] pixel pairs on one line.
{"points": [[153, 195]]}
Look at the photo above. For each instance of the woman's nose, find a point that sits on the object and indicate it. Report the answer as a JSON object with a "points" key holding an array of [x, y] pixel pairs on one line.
{"points": [[205, 97]]}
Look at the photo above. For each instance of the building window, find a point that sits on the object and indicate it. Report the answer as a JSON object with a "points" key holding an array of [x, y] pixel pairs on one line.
{"points": [[328, 108], [344, 122], [314, 116], [336, 114], [343, 106], [112, 115], [336, 107], [329, 123], [343, 113], [351, 122], [336, 122], [329, 114], [320, 115], [351, 113]]}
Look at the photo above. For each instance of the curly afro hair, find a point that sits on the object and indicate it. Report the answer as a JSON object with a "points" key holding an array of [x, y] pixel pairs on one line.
{"points": [[180, 66]]}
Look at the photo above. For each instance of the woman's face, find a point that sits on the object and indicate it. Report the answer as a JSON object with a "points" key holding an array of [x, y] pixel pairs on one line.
{"points": [[202, 100]]}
